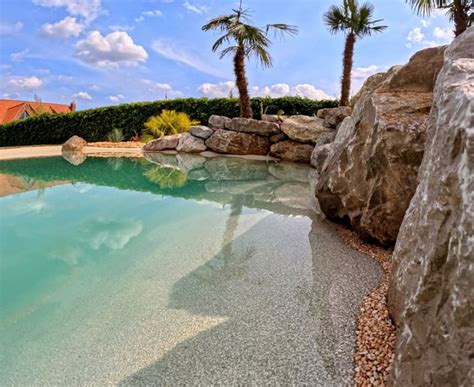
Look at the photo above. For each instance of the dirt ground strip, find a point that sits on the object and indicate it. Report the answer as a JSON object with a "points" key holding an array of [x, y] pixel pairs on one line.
{"points": [[375, 340]]}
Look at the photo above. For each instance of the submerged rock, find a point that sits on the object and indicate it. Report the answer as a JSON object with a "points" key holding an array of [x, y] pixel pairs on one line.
{"points": [[289, 171], [74, 144], [189, 161], [190, 144], [227, 141], [227, 168], [431, 292], [292, 151], [74, 158], [369, 175], [163, 143]]}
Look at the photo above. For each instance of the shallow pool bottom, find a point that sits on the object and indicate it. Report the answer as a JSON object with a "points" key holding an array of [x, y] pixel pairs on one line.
{"points": [[114, 275]]}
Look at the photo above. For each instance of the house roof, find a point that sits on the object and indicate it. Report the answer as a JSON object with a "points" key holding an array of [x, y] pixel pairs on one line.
{"points": [[11, 110]]}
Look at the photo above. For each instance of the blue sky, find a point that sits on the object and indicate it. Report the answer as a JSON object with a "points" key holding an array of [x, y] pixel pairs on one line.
{"points": [[103, 52]]}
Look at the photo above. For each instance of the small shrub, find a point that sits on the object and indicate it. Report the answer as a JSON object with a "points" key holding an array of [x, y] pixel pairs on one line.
{"points": [[168, 122], [116, 135]]}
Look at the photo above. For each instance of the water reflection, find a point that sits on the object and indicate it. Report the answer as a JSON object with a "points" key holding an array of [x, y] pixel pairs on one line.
{"points": [[281, 187]]}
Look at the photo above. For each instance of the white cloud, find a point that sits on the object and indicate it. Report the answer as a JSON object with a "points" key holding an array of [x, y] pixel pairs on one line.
{"points": [[112, 234], [82, 95], [25, 83], [19, 56], [174, 51], [309, 91], [437, 37], [110, 51], [444, 35], [415, 36], [199, 9], [88, 9], [223, 89], [217, 90], [164, 89], [94, 87], [153, 13], [118, 27], [7, 29], [364, 72], [63, 29], [65, 78], [116, 98]]}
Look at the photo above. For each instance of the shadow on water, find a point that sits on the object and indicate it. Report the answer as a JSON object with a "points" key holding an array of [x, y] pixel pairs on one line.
{"points": [[289, 303]]}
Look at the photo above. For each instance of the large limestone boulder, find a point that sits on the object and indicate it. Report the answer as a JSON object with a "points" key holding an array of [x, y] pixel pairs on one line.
{"points": [[369, 175], [201, 131], [249, 125], [292, 151], [322, 150], [431, 292], [227, 141], [74, 144], [220, 122], [334, 116], [190, 144], [304, 128], [163, 143]]}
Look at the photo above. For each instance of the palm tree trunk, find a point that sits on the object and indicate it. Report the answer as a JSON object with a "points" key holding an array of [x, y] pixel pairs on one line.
{"points": [[347, 69], [242, 84], [460, 16]]}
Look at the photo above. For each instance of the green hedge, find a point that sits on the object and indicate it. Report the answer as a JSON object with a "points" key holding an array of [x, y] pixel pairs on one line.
{"points": [[95, 124]]}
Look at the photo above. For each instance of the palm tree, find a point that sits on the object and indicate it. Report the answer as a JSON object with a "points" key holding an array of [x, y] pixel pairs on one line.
{"points": [[461, 12], [356, 22], [244, 41]]}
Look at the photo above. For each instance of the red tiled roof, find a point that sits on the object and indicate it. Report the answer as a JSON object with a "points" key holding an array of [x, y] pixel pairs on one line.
{"points": [[11, 110]]}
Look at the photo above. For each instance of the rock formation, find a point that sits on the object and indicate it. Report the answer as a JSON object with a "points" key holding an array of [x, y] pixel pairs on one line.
{"points": [[369, 174], [292, 151], [291, 138], [190, 144], [228, 141], [74, 144], [248, 125], [303, 128], [431, 294], [201, 131], [163, 143]]}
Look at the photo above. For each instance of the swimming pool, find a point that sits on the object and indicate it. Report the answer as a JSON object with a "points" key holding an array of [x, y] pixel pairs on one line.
{"points": [[174, 269]]}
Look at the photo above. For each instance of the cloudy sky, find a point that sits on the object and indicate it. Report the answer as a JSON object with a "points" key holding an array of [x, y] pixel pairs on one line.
{"points": [[103, 52]]}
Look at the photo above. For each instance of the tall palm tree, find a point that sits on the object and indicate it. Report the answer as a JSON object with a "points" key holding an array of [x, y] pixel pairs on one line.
{"points": [[461, 12], [244, 41], [356, 22]]}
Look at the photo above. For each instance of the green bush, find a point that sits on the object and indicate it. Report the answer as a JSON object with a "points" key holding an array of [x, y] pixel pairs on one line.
{"points": [[95, 124]]}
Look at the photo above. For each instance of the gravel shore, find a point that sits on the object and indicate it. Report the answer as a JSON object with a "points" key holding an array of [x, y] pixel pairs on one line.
{"points": [[375, 335]]}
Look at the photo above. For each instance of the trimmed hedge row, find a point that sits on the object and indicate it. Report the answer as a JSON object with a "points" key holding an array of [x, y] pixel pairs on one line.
{"points": [[95, 124]]}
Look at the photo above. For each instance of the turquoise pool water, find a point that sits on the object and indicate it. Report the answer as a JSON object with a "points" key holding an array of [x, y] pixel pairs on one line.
{"points": [[176, 269]]}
